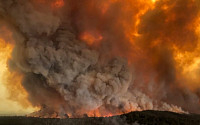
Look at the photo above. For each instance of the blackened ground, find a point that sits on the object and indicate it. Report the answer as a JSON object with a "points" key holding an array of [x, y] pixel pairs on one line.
{"points": [[133, 118]]}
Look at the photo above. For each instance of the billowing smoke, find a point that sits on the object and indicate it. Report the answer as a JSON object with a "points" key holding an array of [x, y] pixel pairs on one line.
{"points": [[131, 67]]}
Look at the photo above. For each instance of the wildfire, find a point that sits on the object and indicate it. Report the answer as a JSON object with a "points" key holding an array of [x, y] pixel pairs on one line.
{"points": [[13, 96], [158, 40], [130, 20], [97, 113]]}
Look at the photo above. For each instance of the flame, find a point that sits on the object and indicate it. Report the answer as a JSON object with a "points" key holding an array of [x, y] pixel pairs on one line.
{"points": [[13, 96], [102, 113]]}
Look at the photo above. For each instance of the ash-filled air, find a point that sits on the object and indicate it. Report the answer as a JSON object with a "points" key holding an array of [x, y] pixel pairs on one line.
{"points": [[105, 57]]}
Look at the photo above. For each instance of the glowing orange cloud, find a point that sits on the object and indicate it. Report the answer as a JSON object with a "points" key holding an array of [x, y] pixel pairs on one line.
{"points": [[58, 4], [91, 38]]}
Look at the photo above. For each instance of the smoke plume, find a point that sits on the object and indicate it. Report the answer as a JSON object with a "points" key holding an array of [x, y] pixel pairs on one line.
{"points": [[106, 57]]}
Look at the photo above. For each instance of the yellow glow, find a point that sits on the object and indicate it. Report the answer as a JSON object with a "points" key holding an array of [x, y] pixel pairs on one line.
{"points": [[153, 1], [8, 106], [188, 64]]}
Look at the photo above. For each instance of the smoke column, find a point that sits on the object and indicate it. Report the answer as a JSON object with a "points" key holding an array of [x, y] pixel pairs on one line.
{"points": [[107, 57]]}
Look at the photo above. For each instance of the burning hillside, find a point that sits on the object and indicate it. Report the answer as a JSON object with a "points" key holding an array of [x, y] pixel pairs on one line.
{"points": [[101, 57]]}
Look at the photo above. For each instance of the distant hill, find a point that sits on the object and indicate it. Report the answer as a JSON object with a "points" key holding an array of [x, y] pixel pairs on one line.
{"points": [[133, 118]]}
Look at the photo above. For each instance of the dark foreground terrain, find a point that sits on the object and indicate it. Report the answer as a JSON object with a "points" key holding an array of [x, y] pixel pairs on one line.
{"points": [[133, 118]]}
